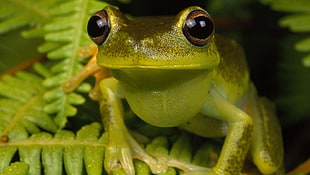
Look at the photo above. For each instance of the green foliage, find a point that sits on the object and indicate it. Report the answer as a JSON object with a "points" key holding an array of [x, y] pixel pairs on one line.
{"points": [[21, 106], [297, 21], [17, 168], [31, 104], [83, 152], [19, 13], [64, 36], [63, 26], [52, 153]]}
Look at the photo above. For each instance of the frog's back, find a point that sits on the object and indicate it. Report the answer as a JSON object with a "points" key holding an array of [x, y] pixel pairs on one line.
{"points": [[231, 75]]}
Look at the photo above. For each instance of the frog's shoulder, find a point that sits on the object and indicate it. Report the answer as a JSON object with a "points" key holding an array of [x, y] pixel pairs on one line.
{"points": [[232, 74]]}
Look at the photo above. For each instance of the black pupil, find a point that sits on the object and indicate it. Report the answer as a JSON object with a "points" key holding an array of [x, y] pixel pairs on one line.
{"points": [[200, 27], [96, 26]]}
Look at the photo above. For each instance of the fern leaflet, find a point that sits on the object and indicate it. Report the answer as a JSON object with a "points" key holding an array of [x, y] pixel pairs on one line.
{"points": [[21, 106], [17, 168]]}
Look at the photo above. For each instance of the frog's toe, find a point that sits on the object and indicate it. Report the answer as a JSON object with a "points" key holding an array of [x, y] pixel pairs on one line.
{"points": [[157, 165], [117, 157]]}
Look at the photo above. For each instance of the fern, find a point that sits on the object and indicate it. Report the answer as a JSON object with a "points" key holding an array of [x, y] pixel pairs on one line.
{"points": [[50, 153], [297, 21], [63, 25], [64, 36], [83, 152], [21, 106], [19, 13]]}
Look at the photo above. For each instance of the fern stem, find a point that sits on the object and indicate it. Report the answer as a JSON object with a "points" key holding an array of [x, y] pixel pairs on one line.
{"points": [[78, 37], [53, 143]]}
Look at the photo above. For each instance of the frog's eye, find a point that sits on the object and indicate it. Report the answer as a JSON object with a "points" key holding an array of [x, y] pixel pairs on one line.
{"points": [[198, 27], [98, 27]]}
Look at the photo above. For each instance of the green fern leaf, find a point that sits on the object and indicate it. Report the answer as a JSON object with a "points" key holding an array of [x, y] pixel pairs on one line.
{"points": [[296, 22], [304, 46], [92, 154], [21, 106], [19, 13], [17, 168], [291, 6], [30, 154], [6, 154], [64, 149], [64, 36], [181, 149], [299, 23]]}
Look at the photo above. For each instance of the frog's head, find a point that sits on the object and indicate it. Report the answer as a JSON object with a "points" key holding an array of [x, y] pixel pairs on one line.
{"points": [[185, 41]]}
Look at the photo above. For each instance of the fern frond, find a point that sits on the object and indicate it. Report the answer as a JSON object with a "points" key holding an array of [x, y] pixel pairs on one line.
{"points": [[64, 149], [297, 21], [83, 152], [21, 106], [64, 36], [19, 13]]}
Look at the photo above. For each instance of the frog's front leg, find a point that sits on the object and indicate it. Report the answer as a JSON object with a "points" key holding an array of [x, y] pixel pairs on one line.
{"points": [[238, 138], [122, 147]]}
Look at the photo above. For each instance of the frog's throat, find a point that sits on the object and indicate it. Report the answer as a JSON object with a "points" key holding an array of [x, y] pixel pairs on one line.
{"points": [[165, 98]]}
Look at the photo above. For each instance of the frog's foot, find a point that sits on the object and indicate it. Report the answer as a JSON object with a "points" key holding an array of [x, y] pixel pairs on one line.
{"points": [[122, 149]]}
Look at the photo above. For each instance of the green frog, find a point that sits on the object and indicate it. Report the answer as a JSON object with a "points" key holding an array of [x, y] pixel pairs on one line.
{"points": [[176, 72]]}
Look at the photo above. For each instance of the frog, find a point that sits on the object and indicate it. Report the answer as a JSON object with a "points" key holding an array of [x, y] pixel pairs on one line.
{"points": [[175, 71]]}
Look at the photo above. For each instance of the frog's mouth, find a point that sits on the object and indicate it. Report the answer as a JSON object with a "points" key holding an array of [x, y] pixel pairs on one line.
{"points": [[156, 78], [156, 67], [160, 60]]}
